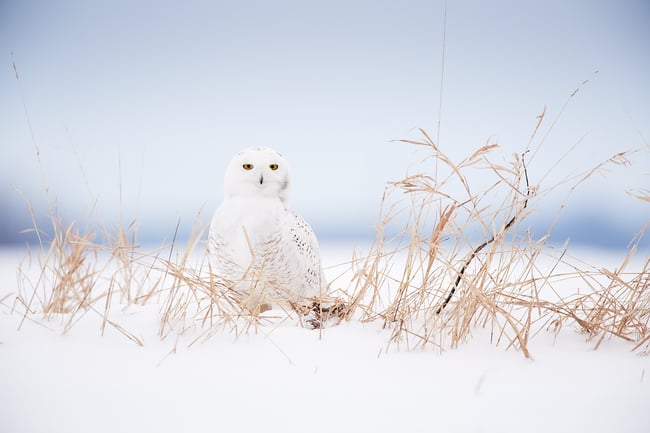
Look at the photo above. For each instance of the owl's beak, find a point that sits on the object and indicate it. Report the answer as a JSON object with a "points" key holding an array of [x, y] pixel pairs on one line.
{"points": [[261, 179]]}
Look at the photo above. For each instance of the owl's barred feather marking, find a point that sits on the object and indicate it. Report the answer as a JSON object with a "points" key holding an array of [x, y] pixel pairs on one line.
{"points": [[256, 241]]}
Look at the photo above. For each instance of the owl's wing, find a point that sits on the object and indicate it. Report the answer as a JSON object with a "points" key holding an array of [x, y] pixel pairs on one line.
{"points": [[305, 244]]}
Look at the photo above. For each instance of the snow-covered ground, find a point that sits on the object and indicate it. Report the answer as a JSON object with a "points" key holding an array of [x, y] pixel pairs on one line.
{"points": [[288, 378]]}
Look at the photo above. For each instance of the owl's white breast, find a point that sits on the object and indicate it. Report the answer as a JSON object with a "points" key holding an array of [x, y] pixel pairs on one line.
{"points": [[241, 224]]}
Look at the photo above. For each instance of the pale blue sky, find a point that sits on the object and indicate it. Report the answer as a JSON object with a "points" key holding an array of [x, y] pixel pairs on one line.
{"points": [[176, 88]]}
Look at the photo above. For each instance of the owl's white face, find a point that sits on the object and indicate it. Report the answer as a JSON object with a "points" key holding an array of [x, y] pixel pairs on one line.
{"points": [[258, 172]]}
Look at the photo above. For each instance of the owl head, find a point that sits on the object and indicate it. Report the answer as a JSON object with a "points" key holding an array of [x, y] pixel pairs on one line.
{"points": [[258, 172]]}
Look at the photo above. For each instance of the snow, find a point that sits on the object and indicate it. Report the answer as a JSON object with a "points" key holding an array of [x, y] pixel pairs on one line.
{"points": [[287, 378]]}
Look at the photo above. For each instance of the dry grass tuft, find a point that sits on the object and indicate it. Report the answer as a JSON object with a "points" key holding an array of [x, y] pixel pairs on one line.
{"points": [[445, 261], [76, 276]]}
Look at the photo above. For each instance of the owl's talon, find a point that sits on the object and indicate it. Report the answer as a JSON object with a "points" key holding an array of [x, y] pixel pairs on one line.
{"points": [[317, 314]]}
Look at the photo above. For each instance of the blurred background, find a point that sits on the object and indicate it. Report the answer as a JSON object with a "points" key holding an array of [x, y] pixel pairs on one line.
{"points": [[130, 110]]}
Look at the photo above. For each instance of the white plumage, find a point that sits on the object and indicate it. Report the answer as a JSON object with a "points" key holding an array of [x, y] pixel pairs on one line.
{"points": [[256, 241]]}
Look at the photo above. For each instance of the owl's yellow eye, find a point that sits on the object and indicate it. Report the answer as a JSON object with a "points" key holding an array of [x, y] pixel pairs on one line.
{"points": [[273, 167], [248, 166]]}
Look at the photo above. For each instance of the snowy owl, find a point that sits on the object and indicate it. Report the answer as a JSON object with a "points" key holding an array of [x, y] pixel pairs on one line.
{"points": [[268, 252]]}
